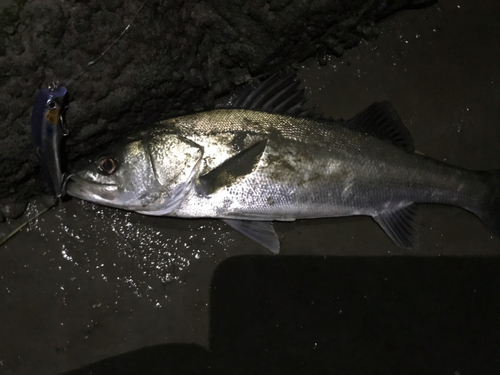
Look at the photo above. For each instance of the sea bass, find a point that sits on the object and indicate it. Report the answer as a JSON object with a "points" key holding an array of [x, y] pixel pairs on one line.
{"points": [[266, 158]]}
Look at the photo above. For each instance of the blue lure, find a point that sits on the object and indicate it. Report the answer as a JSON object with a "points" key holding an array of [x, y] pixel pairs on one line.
{"points": [[47, 130]]}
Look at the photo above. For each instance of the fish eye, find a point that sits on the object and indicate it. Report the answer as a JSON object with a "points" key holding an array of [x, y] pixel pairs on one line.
{"points": [[107, 165], [51, 104]]}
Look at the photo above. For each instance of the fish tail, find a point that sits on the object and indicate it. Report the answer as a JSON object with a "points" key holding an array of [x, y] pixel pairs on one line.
{"points": [[490, 210]]}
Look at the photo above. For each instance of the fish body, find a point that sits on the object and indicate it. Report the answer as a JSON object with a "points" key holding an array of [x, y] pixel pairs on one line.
{"points": [[250, 167], [308, 169]]}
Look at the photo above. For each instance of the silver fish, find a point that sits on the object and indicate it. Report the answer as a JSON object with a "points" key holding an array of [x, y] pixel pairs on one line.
{"points": [[267, 159]]}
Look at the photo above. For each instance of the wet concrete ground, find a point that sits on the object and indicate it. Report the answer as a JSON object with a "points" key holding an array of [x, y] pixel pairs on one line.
{"points": [[85, 283]]}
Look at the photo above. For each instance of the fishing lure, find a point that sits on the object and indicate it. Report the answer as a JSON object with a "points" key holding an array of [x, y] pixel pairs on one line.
{"points": [[47, 130], [48, 127]]}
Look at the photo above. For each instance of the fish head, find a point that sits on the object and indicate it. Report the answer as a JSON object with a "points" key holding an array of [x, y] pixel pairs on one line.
{"points": [[148, 174]]}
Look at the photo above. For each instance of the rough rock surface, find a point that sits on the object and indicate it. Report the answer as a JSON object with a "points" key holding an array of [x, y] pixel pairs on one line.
{"points": [[177, 56]]}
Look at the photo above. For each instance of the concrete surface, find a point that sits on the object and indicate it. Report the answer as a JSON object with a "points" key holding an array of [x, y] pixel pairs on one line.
{"points": [[85, 283]]}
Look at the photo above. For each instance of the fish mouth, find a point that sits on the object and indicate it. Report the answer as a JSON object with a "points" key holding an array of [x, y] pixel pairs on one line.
{"points": [[81, 188]]}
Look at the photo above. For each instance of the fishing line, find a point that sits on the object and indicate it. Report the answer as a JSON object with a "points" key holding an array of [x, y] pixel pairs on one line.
{"points": [[6, 238], [92, 62]]}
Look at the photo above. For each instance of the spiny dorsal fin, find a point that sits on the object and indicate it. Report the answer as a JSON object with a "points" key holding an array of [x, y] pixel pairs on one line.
{"points": [[231, 170], [380, 119], [261, 232], [277, 94], [399, 225]]}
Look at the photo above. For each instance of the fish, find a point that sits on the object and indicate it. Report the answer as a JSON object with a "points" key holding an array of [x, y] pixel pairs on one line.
{"points": [[266, 158], [48, 130]]}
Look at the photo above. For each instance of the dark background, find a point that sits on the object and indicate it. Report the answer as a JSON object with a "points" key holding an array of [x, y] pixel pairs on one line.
{"points": [[86, 284], [308, 315]]}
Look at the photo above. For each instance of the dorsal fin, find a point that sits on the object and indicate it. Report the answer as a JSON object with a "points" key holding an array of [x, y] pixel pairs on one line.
{"points": [[277, 94], [226, 174], [380, 119]]}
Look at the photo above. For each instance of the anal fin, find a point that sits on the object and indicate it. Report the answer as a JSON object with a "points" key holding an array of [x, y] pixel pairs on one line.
{"points": [[399, 225], [259, 231]]}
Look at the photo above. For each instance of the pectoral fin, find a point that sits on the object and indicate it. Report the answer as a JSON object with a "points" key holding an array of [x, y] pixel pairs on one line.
{"points": [[231, 170], [399, 226], [259, 231]]}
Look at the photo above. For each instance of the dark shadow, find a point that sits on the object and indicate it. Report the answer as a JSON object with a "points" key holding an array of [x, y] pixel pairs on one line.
{"points": [[172, 359], [343, 315], [339, 315]]}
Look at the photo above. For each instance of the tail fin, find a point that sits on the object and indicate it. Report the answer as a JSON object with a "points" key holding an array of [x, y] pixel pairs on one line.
{"points": [[490, 213]]}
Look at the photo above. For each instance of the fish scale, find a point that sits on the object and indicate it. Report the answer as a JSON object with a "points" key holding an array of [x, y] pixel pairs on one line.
{"points": [[325, 180]]}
